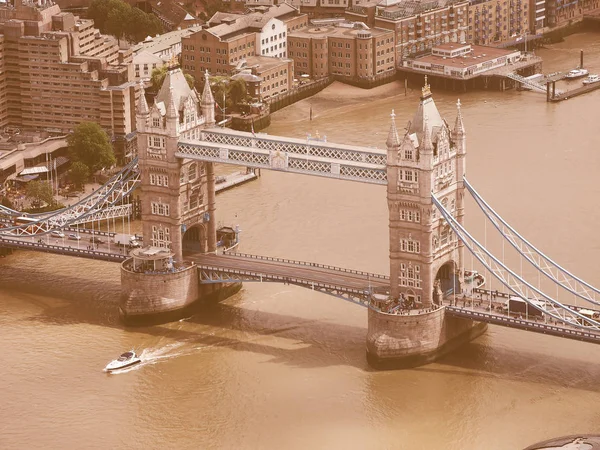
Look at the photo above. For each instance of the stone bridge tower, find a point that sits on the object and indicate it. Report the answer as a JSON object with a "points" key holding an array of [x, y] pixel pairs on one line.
{"points": [[426, 258], [429, 158], [178, 196]]}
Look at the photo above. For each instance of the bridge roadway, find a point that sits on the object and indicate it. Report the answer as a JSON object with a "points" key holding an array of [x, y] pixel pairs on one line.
{"points": [[352, 285]]}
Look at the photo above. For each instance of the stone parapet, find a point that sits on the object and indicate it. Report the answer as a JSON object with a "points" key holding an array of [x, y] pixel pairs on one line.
{"points": [[402, 341]]}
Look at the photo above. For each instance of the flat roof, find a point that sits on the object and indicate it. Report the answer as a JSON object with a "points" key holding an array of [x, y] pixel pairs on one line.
{"points": [[478, 55], [337, 31]]}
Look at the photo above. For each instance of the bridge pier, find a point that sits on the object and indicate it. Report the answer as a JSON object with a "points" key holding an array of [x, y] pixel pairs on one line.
{"points": [[152, 297], [402, 341]]}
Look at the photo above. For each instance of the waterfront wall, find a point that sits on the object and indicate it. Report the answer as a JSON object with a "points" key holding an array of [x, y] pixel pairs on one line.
{"points": [[281, 101], [402, 341]]}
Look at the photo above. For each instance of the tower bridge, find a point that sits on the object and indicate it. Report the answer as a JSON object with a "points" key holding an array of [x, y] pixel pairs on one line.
{"points": [[423, 309]]}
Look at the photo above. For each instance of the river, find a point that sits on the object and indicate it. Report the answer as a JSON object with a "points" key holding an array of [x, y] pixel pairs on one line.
{"points": [[281, 367]]}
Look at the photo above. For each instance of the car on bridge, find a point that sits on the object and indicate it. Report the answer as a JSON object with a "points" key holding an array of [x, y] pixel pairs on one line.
{"points": [[96, 240], [74, 237], [57, 233]]}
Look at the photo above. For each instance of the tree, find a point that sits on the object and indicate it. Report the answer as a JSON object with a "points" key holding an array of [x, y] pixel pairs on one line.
{"points": [[5, 201], [158, 77], [118, 18], [233, 92], [79, 173], [237, 91], [39, 192], [89, 144]]}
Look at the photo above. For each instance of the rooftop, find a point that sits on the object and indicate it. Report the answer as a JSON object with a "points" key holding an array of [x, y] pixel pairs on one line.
{"points": [[478, 55], [265, 63], [164, 41], [341, 30]]}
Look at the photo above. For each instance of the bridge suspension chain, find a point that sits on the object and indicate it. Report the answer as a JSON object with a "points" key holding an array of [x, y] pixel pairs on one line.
{"points": [[102, 204], [520, 287], [539, 260]]}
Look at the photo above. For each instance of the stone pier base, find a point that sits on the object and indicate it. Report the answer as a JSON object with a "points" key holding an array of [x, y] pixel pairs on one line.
{"points": [[397, 342], [166, 297]]}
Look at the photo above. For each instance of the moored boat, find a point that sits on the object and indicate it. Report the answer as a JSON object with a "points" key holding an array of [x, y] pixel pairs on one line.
{"points": [[591, 79], [576, 73]]}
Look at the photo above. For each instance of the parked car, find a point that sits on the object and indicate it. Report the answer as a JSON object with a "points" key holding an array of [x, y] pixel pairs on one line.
{"points": [[96, 240], [74, 237], [57, 233]]}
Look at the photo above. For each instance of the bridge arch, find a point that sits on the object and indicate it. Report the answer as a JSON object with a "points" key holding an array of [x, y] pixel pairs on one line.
{"points": [[446, 280], [195, 240]]}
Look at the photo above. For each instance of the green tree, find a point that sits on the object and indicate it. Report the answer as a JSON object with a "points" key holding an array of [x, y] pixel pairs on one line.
{"points": [[5, 201], [79, 173], [158, 77], [238, 91], [39, 192], [232, 92], [89, 144], [118, 18]]}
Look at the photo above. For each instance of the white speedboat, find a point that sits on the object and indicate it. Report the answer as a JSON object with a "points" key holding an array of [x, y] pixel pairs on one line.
{"points": [[125, 360], [591, 79], [576, 73]]}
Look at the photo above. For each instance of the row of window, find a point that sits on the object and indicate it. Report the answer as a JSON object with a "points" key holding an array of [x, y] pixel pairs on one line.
{"points": [[411, 176], [160, 209], [161, 237], [156, 141], [267, 40], [410, 216], [159, 180], [410, 275], [410, 246]]}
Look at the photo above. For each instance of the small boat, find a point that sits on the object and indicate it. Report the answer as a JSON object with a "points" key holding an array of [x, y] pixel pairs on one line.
{"points": [[125, 360], [576, 73], [591, 79]]}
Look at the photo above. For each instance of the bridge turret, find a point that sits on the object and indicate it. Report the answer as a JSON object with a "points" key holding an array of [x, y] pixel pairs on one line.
{"points": [[172, 115], [208, 101], [143, 112]]}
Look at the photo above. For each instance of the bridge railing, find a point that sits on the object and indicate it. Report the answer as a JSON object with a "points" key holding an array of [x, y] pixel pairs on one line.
{"points": [[520, 323], [49, 248], [309, 264], [285, 279]]}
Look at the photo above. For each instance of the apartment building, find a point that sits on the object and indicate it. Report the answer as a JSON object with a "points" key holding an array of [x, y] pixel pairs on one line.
{"points": [[351, 51], [560, 13], [494, 21], [323, 9], [58, 70], [172, 15], [417, 25], [274, 75], [232, 38]]}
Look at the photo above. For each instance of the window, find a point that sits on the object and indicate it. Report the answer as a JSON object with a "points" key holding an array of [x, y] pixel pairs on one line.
{"points": [[160, 209], [156, 121], [410, 275]]}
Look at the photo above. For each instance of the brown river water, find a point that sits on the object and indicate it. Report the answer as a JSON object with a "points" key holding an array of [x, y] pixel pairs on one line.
{"points": [[279, 367]]}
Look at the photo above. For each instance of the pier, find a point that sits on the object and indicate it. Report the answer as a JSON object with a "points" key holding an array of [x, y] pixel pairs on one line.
{"points": [[558, 97]]}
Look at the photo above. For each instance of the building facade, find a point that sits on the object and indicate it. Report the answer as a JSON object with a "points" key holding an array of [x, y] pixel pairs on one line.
{"points": [[58, 70], [418, 26], [351, 51], [276, 75], [425, 255], [494, 21], [232, 38], [560, 13]]}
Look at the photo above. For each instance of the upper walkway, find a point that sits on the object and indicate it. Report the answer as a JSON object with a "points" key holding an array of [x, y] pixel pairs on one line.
{"points": [[304, 156]]}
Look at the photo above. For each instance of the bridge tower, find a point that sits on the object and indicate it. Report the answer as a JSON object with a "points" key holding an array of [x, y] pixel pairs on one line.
{"points": [[426, 258], [178, 203], [429, 158]]}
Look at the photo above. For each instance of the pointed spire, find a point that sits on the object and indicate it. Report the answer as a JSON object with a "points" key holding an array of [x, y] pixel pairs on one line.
{"points": [[425, 90], [142, 103], [171, 109], [459, 127], [393, 140], [207, 96], [427, 145]]}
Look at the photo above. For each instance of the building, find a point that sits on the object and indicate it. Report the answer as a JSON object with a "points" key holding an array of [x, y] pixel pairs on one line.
{"points": [[58, 70], [462, 61], [560, 13], [275, 75], [323, 9], [232, 38], [157, 51], [173, 193], [172, 15], [418, 26], [498, 21], [351, 51]]}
